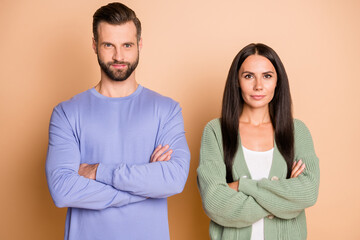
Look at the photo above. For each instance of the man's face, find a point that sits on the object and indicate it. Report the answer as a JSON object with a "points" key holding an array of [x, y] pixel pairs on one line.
{"points": [[117, 50]]}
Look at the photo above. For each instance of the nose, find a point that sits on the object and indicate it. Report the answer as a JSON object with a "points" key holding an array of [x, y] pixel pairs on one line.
{"points": [[118, 55], [258, 84]]}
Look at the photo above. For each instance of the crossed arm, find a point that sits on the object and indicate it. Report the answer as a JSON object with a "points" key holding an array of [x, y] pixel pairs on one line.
{"points": [[160, 154], [297, 168], [72, 184], [253, 200]]}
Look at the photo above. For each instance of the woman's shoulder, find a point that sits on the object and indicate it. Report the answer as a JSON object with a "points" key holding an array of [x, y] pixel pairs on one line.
{"points": [[213, 125], [212, 134], [302, 136], [300, 127], [212, 128]]}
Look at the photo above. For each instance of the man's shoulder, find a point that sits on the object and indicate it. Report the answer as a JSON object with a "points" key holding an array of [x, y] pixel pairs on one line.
{"points": [[75, 101], [158, 99]]}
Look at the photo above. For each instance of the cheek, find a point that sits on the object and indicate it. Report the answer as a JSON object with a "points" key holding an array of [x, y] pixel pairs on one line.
{"points": [[245, 89], [134, 53], [271, 86], [271, 91], [106, 55]]}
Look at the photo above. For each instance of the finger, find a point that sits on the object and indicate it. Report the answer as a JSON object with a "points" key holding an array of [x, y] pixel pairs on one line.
{"points": [[293, 165], [160, 152], [296, 167], [299, 171], [163, 156], [154, 152], [298, 164]]}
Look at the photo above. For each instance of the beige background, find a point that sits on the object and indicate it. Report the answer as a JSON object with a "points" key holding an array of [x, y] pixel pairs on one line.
{"points": [[46, 58]]}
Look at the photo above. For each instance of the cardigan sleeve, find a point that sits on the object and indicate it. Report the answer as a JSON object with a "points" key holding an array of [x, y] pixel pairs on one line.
{"points": [[222, 204], [286, 198]]}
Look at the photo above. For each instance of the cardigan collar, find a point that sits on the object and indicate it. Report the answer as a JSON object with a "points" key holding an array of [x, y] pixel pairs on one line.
{"points": [[241, 170]]}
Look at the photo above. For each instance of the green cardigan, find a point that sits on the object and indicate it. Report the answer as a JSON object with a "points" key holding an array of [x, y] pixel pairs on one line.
{"points": [[280, 202]]}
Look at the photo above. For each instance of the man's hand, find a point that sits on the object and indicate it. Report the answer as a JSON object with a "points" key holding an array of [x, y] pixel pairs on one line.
{"points": [[160, 154], [88, 170]]}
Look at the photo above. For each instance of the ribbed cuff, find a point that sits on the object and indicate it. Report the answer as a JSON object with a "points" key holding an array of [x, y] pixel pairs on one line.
{"points": [[104, 174]]}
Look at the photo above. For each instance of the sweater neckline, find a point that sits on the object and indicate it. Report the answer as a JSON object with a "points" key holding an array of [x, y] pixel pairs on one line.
{"points": [[138, 90]]}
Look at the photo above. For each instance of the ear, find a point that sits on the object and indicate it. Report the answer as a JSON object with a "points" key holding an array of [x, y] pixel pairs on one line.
{"points": [[140, 44], [94, 45]]}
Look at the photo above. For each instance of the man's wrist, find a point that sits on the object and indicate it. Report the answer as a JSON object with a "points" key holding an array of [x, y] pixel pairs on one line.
{"points": [[104, 173], [95, 170]]}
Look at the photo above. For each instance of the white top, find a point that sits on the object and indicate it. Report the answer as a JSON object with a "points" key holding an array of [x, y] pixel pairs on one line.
{"points": [[259, 164]]}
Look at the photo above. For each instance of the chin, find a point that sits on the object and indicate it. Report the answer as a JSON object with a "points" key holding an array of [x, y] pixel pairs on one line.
{"points": [[257, 105]]}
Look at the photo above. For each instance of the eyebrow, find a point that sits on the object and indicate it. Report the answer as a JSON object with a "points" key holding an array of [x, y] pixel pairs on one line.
{"points": [[107, 43], [262, 73], [130, 43]]}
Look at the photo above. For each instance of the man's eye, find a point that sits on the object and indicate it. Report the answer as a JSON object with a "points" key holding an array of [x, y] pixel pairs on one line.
{"points": [[127, 45], [107, 45]]}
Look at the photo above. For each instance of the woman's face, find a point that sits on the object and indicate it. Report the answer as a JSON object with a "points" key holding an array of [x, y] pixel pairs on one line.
{"points": [[257, 79]]}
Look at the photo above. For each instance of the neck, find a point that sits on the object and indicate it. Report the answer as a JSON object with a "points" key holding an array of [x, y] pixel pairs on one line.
{"points": [[115, 89], [255, 116]]}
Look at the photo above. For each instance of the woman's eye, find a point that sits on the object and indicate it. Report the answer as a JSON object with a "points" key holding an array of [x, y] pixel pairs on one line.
{"points": [[127, 45], [107, 45], [267, 76], [248, 76]]}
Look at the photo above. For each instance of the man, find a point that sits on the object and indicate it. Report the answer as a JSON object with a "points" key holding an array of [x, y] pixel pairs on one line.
{"points": [[118, 150]]}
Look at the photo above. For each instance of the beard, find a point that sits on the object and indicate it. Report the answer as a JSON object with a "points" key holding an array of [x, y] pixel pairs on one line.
{"points": [[118, 74]]}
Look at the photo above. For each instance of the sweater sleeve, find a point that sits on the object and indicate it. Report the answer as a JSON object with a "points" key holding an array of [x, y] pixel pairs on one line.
{"points": [[67, 187], [221, 203], [286, 198], [158, 179]]}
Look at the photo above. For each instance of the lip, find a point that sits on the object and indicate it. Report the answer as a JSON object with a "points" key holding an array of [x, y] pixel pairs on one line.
{"points": [[119, 66], [257, 97]]}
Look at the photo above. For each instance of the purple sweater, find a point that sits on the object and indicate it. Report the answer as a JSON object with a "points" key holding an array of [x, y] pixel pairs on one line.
{"points": [[128, 198]]}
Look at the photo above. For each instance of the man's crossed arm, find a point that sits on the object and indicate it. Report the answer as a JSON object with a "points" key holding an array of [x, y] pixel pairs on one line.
{"points": [[71, 185], [160, 154]]}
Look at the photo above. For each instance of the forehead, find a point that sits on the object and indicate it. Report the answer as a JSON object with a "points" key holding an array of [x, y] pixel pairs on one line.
{"points": [[125, 32], [257, 63]]}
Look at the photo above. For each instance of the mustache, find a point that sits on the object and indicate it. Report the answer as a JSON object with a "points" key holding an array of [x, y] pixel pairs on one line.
{"points": [[119, 62]]}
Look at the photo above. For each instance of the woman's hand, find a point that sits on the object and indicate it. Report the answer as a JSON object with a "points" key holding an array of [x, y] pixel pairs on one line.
{"points": [[297, 169], [161, 154], [234, 185]]}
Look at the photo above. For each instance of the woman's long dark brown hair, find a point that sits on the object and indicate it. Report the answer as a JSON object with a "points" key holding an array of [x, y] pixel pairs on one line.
{"points": [[280, 108]]}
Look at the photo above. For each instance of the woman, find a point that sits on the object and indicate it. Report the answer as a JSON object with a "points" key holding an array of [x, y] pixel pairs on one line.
{"points": [[258, 169]]}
